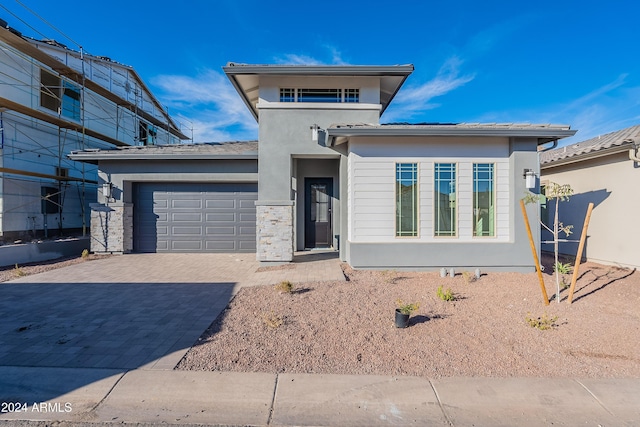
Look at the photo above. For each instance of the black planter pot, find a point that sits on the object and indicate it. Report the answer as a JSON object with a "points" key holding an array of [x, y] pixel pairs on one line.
{"points": [[402, 320]]}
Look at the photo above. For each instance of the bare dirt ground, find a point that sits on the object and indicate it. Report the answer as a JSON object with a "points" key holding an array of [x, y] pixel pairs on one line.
{"points": [[348, 327], [10, 273]]}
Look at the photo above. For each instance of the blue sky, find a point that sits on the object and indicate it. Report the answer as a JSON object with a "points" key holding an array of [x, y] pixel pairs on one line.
{"points": [[571, 62]]}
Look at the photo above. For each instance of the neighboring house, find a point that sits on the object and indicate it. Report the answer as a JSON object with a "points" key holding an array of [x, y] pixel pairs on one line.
{"points": [[604, 170], [54, 100], [326, 174]]}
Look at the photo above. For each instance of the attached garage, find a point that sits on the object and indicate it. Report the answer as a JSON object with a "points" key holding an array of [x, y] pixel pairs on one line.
{"points": [[175, 198], [194, 217]]}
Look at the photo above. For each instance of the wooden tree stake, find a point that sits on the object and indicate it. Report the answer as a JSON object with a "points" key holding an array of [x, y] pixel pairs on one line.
{"points": [[574, 278], [535, 253]]}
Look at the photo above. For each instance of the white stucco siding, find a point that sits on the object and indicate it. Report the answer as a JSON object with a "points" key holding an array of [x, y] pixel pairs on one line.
{"points": [[372, 197]]}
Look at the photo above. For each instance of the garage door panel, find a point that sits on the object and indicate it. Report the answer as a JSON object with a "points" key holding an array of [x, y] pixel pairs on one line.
{"points": [[186, 203], [247, 246], [186, 217], [247, 217], [186, 245], [247, 231], [221, 246], [221, 217], [194, 217], [223, 231], [222, 203]]}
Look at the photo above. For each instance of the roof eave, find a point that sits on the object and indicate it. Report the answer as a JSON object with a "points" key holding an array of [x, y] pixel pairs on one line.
{"points": [[587, 156], [543, 135], [98, 157], [231, 70], [320, 70]]}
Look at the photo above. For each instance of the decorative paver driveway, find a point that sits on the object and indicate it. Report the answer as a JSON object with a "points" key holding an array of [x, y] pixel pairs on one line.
{"points": [[125, 312], [131, 311]]}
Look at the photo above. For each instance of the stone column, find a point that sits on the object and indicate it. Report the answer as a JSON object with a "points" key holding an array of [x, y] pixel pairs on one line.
{"points": [[274, 231], [111, 228]]}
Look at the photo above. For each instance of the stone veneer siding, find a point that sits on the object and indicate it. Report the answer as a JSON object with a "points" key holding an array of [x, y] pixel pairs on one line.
{"points": [[274, 228], [111, 228]]}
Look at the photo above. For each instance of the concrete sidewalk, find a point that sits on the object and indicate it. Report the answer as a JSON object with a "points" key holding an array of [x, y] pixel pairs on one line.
{"points": [[110, 397]]}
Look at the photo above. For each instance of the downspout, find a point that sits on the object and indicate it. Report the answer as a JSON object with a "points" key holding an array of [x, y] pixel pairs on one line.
{"points": [[555, 144], [633, 153]]}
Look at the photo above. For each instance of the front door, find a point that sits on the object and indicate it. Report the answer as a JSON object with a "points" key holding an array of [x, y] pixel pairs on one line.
{"points": [[317, 213]]}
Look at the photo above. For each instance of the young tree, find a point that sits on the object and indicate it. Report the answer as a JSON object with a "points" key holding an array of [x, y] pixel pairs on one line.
{"points": [[557, 193]]}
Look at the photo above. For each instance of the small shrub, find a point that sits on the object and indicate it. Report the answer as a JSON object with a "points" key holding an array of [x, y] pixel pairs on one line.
{"points": [[407, 308], [272, 320], [564, 269], [284, 287], [445, 295], [85, 254], [19, 272], [543, 322]]}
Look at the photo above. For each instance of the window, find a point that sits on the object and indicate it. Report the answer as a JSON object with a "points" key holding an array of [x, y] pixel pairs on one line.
{"points": [[70, 101], [352, 95], [50, 200], [147, 134], [483, 199], [319, 95], [49, 91], [287, 95], [406, 199], [62, 172], [60, 96], [445, 199]]}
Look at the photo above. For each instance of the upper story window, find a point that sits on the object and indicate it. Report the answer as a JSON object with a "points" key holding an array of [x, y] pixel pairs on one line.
{"points": [[60, 96], [147, 134], [319, 95], [352, 95], [287, 95]]}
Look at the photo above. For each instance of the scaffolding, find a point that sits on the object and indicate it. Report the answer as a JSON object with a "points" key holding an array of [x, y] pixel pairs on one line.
{"points": [[123, 117]]}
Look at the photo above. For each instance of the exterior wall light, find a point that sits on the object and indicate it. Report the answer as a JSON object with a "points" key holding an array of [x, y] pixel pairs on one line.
{"points": [[314, 132], [107, 188], [529, 178]]}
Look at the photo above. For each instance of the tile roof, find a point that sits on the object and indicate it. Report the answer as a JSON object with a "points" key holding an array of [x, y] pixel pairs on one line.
{"points": [[232, 149], [591, 146]]}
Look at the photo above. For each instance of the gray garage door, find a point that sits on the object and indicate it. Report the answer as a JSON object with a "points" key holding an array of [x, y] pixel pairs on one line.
{"points": [[193, 217]]}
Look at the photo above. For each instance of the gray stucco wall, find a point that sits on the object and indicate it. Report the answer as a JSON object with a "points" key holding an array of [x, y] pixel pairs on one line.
{"points": [[285, 133], [287, 150]]}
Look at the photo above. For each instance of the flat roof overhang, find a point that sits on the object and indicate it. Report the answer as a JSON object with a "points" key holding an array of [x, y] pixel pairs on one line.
{"points": [[544, 134], [246, 78], [116, 155]]}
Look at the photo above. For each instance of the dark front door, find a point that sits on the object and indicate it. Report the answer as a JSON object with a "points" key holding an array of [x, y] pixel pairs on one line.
{"points": [[317, 212]]}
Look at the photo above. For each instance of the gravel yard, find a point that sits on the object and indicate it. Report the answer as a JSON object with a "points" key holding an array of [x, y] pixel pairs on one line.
{"points": [[348, 327]]}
